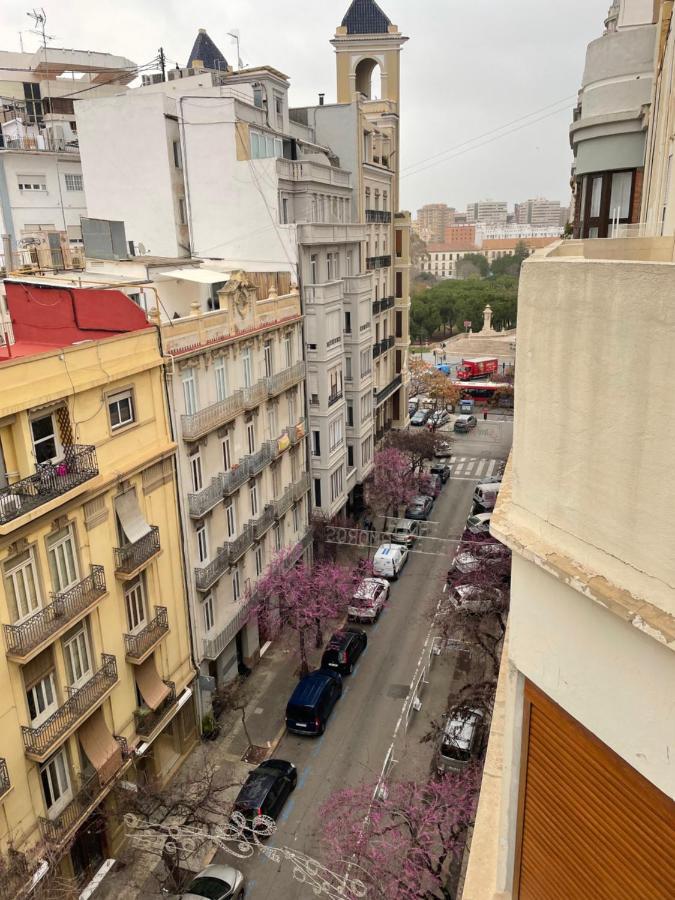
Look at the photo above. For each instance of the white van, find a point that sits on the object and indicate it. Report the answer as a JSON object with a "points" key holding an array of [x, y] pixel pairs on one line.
{"points": [[389, 560], [485, 495]]}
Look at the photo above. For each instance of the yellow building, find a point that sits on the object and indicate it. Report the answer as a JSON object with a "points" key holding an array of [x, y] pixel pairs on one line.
{"points": [[94, 680]]}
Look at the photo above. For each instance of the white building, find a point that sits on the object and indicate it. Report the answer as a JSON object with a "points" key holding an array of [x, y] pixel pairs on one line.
{"points": [[487, 212], [514, 232], [540, 213]]}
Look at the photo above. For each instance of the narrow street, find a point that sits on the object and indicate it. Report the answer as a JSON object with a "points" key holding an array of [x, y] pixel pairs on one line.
{"points": [[360, 730]]}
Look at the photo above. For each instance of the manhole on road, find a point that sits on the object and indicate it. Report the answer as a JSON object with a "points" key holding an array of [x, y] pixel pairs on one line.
{"points": [[398, 691]]}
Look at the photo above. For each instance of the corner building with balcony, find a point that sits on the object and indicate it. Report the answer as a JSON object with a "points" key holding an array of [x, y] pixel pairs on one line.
{"points": [[96, 670]]}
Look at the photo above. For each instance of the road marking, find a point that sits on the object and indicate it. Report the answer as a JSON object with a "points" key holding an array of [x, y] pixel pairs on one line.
{"points": [[303, 777], [491, 467], [480, 467], [287, 810]]}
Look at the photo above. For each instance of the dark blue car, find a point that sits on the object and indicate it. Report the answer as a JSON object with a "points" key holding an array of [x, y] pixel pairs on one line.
{"points": [[312, 702]]}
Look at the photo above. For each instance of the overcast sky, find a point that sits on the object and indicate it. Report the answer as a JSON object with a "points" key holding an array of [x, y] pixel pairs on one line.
{"points": [[470, 67]]}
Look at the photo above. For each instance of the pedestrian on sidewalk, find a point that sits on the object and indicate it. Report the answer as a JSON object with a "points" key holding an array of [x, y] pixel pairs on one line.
{"points": [[485, 412]]}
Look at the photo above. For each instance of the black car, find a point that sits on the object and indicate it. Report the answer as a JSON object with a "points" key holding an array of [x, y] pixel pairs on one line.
{"points": [[312, 702], [421, 417], [440, 469], [266, 789], [344, 649], [419, 508]]}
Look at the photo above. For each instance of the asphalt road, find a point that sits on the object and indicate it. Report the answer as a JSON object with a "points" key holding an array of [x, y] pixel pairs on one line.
{"points": [[361, 727]]}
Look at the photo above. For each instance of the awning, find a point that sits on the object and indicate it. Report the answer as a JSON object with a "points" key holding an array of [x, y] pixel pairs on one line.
{"points": [[101, 748], [131, 518], [151, 686], [201, 276]]}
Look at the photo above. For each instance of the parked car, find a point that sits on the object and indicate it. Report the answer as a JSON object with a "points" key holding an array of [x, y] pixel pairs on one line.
{"points": [[462, 739], [465, 423], [485, 494], [389, 560], [441, 469], [216, 883], [266, 789], [489, 479], [369, 600], [412, 407], [476, 599], [344, 649], [419, 508], [421, 417], [471, 559], [405, 531], [312, 702], [479, 524], [443, 450], [430, 485], [440, 417]]}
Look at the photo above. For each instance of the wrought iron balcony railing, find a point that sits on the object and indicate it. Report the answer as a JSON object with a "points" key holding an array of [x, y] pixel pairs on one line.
{"points": [[147, 720], [39, 742], [51, 480], [334, 397], [132, 556], [5, 783], [391, 388], [25, 637], [378, 216], [275, 384], [378, 262], [137, 645]]}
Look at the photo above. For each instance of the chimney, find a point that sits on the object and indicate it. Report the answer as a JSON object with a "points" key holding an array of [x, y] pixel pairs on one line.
{"points": [[321, 96]]}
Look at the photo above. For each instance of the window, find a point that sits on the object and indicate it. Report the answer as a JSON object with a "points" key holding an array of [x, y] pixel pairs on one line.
{"points": [[182, 212], [196, 472], [56, 782], [284, 210], [350, 456], [350, 263], [268, 356], [62, 561], [276, 478], [336, 484], [366, 362], [32, 183], [250, 436], [73, 182], [247, 368], [278, 537], [202, 542], [21, 586], [279, 110], [316, 443], [208, 612], [265, 145], [292, 408], [227, 453], [236, 585], [366, 451], [348, 368], [335, 434], [177, 155], [259, 560], [231, 519], [121, 410], [317, 492], [258, 96], [295, 474], [42, 701], [272, 425], [348, 323], [253, 496], [221, 380], [288, 351], [46, 445], [366, 407], [77, 656], [296, 518], [350, 413], [190, 391], [314, 269], [333, 266], [134, 601]]}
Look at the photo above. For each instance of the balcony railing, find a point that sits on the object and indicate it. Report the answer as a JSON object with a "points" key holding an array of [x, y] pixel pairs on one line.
{"points": [[382, 305], [137, 645], [281, 506], [378, 262], [254, 395], [234, 479], [5, 783], [386, 393], [379, 216], [39, 742], [147, 720], [22, 639], [301, 487], [275, 384], [256, 462], [206, 576], [296, 433], [264, 522], [333, 398], [203, 501], [212, 417], [57, 831], [132, 556], [43, 142], [51, 480]]}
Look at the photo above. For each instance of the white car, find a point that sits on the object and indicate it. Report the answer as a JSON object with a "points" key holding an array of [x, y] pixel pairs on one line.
{"points": [[389, 560], [220, 882], [476, 599], [479, 524], [369, 600]]}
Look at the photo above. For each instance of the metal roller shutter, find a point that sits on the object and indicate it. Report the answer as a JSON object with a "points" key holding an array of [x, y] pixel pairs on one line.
{"points": [[590, 826]]}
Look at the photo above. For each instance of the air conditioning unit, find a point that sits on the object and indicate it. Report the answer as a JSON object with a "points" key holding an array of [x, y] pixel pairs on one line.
{"points": [[152, 78]]}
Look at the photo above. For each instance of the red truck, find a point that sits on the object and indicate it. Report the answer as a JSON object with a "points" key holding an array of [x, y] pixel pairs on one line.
{"points": [[480, 367]]}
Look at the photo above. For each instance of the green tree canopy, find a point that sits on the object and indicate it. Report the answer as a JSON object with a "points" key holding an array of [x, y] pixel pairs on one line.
{"points": [[448, 304]]}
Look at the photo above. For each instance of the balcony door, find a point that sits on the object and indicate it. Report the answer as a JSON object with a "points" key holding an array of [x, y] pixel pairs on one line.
{"points": [[77, 656], [63, 560], [46, 443], [607, 201]]}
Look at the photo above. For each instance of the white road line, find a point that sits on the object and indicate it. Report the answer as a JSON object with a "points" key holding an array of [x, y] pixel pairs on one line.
{"points": [[491, 467], [480, 466], [459, 468]]}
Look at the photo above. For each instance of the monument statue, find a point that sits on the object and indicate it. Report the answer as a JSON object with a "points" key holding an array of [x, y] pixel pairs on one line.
{"points": [[487, 321]]}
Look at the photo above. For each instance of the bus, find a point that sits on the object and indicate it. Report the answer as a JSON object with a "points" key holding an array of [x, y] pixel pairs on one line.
{"points": [[483, 393]]}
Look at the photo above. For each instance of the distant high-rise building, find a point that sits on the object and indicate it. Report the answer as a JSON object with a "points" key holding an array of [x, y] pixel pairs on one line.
{"points": [[487, 212], [539, 212], [433, 219]]}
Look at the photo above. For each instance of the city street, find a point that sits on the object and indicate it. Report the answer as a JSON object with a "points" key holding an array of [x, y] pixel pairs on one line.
{"points": [[361, 728]]}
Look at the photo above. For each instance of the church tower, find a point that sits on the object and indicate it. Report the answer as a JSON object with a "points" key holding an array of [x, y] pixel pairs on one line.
{"points": [[365, 40]]}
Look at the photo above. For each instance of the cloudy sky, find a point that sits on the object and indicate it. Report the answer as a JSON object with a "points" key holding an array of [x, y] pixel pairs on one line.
{"points": [[469, 68]]}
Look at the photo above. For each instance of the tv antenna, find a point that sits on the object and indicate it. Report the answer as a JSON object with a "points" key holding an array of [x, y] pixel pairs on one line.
{"points": [[39, 17], [235, 37]]}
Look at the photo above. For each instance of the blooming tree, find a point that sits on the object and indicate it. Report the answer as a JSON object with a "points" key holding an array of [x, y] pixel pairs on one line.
{"points": [[427, 379], [393, 483], [401, 841], [418, 444]]}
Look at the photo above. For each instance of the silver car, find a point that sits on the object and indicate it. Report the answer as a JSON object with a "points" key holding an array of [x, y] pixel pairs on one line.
{"points": [[216, 883]]}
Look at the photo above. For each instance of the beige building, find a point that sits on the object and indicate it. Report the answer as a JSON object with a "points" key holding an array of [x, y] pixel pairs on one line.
{"points": [[96, 672], [541, 213], [487, 212], [433, 219]]}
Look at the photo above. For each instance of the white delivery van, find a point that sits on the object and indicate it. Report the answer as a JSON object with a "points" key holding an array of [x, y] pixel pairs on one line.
{"points": [[485, 495], [389, 560]]}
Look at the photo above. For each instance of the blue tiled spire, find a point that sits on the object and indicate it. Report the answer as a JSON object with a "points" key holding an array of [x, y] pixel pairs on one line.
{"points": [[365, 17], [205, 50]]}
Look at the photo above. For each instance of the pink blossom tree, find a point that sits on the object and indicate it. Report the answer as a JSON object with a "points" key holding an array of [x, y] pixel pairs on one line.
{"points": [[403, 842], [304, 597], [393, 483]]}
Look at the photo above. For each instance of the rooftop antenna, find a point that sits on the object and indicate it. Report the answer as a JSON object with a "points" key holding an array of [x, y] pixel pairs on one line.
{"points": [[39, 17], [235, 37]]}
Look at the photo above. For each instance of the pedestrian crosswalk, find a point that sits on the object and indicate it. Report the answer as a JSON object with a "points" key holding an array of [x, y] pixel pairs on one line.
{"points": [[474, 467]]}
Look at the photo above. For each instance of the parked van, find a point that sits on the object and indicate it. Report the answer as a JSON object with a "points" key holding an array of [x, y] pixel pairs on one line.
{"points": [[312, 702], [485, 495], [462, 739], [389, 560]]}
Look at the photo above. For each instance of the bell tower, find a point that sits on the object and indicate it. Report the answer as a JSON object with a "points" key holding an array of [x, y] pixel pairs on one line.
{"points": [[365, 40]]}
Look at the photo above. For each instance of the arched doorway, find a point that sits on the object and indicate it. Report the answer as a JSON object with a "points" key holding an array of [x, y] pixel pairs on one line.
{"points": [[369, 79]]}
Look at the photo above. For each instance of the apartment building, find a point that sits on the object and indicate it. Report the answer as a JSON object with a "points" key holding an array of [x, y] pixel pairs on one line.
{"points": [[41, 186], [487, 212], [433, 220], [96, 672], [541, 213]]}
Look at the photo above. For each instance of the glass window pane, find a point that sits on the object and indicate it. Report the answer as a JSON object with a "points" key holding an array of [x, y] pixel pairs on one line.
{"points": [[619, 205], [596, 196]]}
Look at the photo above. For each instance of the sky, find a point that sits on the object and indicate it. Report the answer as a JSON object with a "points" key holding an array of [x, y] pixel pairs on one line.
{"points": [[470, 68]]}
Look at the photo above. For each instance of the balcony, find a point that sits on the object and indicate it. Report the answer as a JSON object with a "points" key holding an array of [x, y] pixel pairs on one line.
{"points": [[388, 391], [300, 487], [139, 646], [132, 557], [213, 647], [296, 433], [5, 783], [378, 262], [27, 639], [203, 501], [51, 480], [254, 395], [212, 417], [334, 397], [42, 141], [382, 305], [41, 741], [149, 721], [277, 384], [263, 523], [378, 216], [328, 292], [281, 506], [305, 170], [206, 576], [234, 479], [382, 346], [88, 796], [256, 462]]}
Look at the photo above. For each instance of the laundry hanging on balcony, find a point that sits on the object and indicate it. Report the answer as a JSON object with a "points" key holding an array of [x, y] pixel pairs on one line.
{"points": [[130, 516]]}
